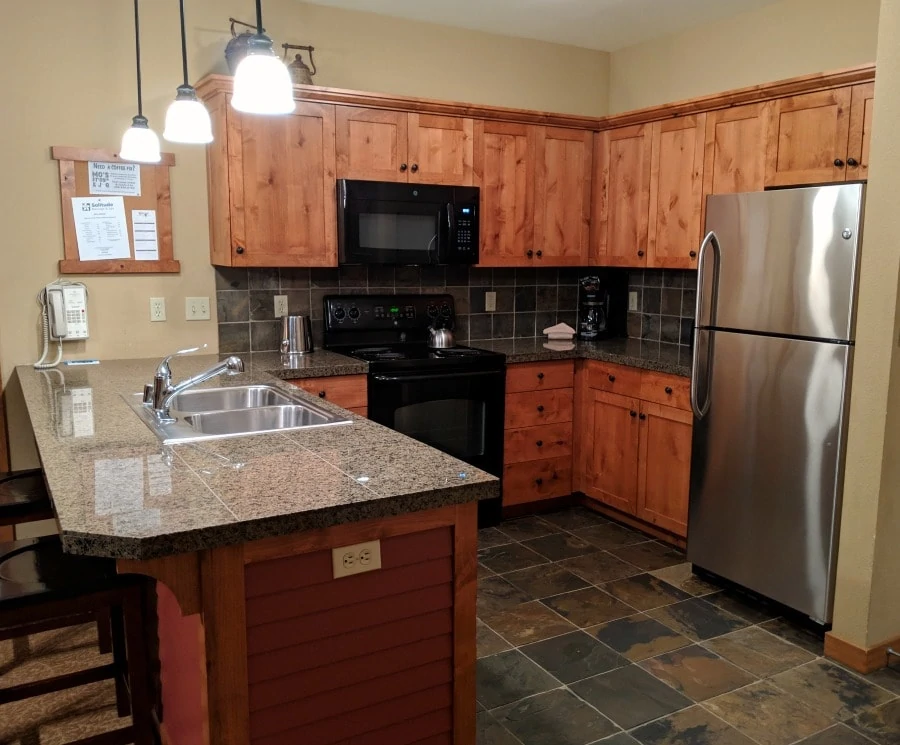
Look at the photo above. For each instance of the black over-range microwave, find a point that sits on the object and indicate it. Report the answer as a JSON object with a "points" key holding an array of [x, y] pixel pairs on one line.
{"points": [[391, 223]]}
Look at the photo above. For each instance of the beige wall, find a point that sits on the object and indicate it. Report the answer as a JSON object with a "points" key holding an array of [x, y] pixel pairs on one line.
{"points": [[79, 90], [867, 604], [789, 38]]}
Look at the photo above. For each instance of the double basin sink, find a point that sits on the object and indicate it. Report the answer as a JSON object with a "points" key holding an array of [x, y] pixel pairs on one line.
{"points": [[217, 413]]}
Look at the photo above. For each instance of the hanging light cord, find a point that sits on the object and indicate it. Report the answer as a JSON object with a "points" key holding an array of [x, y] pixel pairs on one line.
{"points": [[137, 49], [259, 27], [183, 43]]}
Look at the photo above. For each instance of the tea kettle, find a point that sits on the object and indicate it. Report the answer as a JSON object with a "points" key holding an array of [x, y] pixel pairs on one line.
{"points": [[440, 335]]}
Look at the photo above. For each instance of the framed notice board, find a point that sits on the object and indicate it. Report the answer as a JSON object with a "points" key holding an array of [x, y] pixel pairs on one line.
{"points": [[129, 230]]}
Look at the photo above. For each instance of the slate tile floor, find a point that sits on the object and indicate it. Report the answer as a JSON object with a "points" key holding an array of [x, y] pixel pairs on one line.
{"points": [[589, 632]]}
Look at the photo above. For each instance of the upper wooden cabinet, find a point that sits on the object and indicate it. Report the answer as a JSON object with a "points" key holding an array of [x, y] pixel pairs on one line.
{"points": [[562, 196], [272, 188], [377, 145], [676, 192], [862, 103], [621, 202], [736, 139], [535, 194], [504, 170]]}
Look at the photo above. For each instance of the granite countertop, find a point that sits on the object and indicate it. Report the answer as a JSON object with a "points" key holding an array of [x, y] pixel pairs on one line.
{"points": [[318, 364], [118, 492], [667, 358]]}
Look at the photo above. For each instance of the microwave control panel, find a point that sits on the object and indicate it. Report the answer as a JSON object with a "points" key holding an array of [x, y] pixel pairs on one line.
{"points": [[466, 229]]}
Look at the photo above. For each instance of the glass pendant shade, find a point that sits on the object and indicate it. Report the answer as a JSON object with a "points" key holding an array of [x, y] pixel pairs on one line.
{"points": [[187, 120], [262, 83], [140, 143]]}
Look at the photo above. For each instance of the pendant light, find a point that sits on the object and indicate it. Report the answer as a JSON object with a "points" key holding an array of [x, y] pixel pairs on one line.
{"points": [[262, 83], [187, 120], [139, 143]]}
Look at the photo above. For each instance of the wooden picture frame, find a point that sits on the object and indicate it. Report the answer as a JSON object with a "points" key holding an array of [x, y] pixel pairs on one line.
{"points": [[155, 195]]}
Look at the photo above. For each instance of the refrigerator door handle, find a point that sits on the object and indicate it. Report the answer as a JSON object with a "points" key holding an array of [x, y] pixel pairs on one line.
{"points": [[711, 240]]}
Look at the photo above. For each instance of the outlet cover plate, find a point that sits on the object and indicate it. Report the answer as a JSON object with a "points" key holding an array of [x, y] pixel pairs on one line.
{"points": [[281, 306], [490, 301], [157, 309], [632, 300], [356, 559], [196, 308]]}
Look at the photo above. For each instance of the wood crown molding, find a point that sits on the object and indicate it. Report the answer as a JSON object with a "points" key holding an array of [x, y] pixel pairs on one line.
{"points": [[213, 85]]}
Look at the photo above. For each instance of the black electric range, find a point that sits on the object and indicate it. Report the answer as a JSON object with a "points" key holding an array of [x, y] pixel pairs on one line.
{"points": [[452, 399]]}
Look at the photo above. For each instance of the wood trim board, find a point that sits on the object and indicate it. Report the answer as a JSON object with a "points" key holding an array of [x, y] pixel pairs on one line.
{"points": [[863, 660]]}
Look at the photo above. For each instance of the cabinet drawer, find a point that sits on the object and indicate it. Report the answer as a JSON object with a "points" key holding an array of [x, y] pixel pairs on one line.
{"points": [[349, 391], [539, 376], [606, 376], [668, 390], [537, 480], [537, 443], [538, 407]]}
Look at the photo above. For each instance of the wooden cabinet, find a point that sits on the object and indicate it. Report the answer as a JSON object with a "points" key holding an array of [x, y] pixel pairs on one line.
{"points": [[649, 194], [664, 470], [536, 194], [735, 157], [676, 192], [504, 170], [378, 145], [633, 452], [272, 186], [621, 203], [538, 437], [349, 391], [562, 196], [862, 103]]}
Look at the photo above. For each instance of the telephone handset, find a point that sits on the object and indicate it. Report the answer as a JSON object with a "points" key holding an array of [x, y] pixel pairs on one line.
{"points": [[63, 318]]}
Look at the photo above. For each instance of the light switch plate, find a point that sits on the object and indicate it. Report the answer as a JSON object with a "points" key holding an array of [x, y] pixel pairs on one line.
{"points": [[196, 308], [632, 300], [490, 301], [356, 559]]}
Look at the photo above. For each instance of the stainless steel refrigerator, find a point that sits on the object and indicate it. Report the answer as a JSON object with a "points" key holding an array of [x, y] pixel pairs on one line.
{"points": [[773, 349]]}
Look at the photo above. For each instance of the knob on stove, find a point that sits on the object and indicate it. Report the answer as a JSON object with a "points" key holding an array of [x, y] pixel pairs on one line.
{"points": [[339, 313], [432, 310], [354, 313]]}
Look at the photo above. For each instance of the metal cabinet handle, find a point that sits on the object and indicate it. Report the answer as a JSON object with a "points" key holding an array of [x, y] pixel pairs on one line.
{"points": [[403, 166], [540, 253], [612, 378], [539, 481], [540, 443], [239, 250], [540, 408], [641, 253], [693, 254], [529, 253], [321, 394], [415, 167], [540, 376], [642, 416], [633, 414], [668, 390], [838, 163], [852, 162]]}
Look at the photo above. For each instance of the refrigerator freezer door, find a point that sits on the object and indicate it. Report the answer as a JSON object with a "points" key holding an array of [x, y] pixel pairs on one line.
{"points": [[766, 466], [788, 261]]}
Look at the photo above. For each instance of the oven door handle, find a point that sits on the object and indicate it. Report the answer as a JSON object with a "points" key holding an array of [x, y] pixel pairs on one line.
{"points": [[438, 376]]}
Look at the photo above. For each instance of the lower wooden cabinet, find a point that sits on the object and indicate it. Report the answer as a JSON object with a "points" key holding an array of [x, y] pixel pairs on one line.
{"points": [[349, 391], [634, 454]]}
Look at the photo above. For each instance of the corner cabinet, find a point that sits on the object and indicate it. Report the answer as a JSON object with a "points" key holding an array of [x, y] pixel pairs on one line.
{"points": [[535, 194], [376, 145], [633, 443], [272, 187]]}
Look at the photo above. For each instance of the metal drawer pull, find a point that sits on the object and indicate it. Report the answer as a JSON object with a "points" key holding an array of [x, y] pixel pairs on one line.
{"points": [[540, 376], [540, 443], [539, 481], [540, 408], [668, 390], [612, 378], [321, 394]]}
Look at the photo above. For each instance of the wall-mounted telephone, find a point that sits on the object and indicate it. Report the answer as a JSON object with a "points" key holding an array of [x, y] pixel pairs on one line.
{"points": [[63, 317]]}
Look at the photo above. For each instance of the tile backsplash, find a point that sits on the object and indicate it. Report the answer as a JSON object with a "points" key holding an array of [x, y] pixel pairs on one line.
{"points": [[666, 300], [528, 300]]}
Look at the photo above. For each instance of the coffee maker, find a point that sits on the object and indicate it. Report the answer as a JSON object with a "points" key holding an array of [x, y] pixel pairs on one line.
{"points": [[602, 305]]}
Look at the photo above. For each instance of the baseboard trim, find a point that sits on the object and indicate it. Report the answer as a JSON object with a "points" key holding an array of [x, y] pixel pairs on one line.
{"points": [[633, 522], [863, 660]]}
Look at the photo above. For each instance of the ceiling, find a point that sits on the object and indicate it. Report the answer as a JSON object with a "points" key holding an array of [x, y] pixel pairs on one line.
{"points": [[605, 25]]}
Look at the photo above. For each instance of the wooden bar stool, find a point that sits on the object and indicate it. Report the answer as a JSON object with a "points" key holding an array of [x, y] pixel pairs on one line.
{"points": [[42, 588]]}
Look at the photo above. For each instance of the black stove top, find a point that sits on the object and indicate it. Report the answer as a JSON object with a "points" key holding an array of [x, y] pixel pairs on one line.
{"points": [[413, 352]]}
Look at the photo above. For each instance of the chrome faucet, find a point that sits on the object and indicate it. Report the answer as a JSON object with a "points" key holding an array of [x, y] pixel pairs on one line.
{"points": [[158, 395]]}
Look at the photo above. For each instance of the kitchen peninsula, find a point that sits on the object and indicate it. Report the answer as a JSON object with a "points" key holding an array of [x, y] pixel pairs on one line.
{"points": [[258, 642]]}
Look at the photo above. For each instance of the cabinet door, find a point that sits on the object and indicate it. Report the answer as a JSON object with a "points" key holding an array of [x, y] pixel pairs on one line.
{"points": [[665, 467], [861, 109], [441, 150], [562, 196], [808, 141], [282, 185], [610, 432], [372, 144], [735, 159], [676, 192], [504, 169], [621, 203]]}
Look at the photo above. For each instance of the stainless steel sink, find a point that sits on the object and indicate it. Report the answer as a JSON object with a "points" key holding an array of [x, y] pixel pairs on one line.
{"points": [[217, 413], [201, 400]]}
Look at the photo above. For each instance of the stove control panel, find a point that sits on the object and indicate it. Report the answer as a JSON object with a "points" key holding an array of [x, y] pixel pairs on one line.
{"points": [[382, 312]]}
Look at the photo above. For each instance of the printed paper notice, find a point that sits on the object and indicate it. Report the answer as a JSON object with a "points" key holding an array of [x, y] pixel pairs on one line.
{"points": [[115, 178], [100, 228], [143, 225]]}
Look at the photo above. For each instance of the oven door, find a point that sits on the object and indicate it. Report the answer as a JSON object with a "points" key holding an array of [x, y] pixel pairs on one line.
{"points": [[393, 232], [458, 412]]}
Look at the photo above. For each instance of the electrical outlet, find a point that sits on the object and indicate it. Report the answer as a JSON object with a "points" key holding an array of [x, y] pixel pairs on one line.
{"points": [[281, 306], [196, 308], [157, 309], [490, 301], [356, 559], [632, 300]]}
